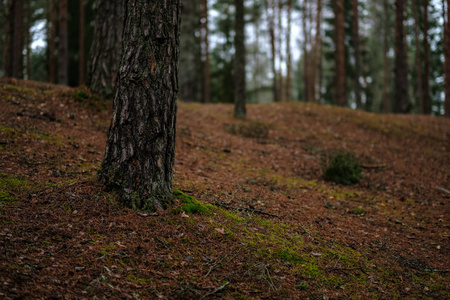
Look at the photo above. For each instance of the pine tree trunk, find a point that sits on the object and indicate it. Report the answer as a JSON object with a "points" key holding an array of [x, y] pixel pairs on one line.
{"points": [[9, 31], [81, 62], [355, 38], [447, 58], [317, 53], [28, 38], [52, 42], [140, 150], [270, 14], [387, 61], [239, 62], [426, 71], [288, 51], [106, 47], [420, 102], [280, 52], [340, 93], [63, 43], [205, 40], [306, 64], [402, 104]]}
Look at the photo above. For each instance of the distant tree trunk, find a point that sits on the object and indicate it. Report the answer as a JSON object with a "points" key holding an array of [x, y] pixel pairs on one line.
{"points": [[270, 15], [447, 57], [14, 39], [387, 60], [317, 52], [357, 55], [288, 51], [190, 77], [340, 93], [140, 150], [52, 41], [280, 52], [256, 72], [28, 37], [81, 62], [106, 47], [204, 30], [420, 102], [426, 75], [402, 104], [63, 42], [239, 62], [305, 47]]}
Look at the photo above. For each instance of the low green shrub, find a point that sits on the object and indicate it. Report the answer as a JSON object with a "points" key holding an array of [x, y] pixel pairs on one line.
{"points": [[342, 168]]}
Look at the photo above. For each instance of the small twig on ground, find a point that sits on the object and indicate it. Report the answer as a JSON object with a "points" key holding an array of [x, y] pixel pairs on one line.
{"points": [[216, 290], [245, 209], [442, 190]]}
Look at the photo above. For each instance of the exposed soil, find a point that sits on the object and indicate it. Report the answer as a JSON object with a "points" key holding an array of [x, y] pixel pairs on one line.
{"points": [[267, 225]]}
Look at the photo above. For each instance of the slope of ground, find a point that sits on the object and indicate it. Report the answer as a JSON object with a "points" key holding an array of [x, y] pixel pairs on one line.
{"points": [[252, 217]]}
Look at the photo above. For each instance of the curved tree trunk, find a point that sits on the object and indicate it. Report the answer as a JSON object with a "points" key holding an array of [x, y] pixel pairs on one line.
{"points": [[106, 47], [239, 62], [140, 150]]}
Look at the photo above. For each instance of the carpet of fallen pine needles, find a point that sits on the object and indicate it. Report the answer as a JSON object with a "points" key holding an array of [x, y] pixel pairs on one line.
{"points": [[262, 223]]}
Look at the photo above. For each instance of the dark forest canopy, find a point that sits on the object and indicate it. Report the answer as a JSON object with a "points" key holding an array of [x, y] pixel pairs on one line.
{"points": [[292, 51]]}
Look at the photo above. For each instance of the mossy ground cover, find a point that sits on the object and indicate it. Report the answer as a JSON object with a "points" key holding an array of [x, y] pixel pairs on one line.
{"points": [[251, 218]]}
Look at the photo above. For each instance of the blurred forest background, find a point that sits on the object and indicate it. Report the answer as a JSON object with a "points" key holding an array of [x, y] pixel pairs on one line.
{"points": [[375, 55]]}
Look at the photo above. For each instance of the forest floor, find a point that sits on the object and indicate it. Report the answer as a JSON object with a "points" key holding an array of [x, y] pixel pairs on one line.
{"points": [[252, 218]]}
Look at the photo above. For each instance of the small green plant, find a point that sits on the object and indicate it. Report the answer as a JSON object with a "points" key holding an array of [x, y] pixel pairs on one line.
{"points": [[190, 205], [358, 211], [80, 96], [302, 286], [343, 168]]}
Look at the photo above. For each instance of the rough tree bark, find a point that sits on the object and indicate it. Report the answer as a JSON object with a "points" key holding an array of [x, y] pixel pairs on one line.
{"points": [[356, 53], [106, 47], [140, 150], [447, 57], [317, 53], [426, 70], [28, 38], [63, 43], [239, 61], [340, 93], [402, 104], [9, 30]]}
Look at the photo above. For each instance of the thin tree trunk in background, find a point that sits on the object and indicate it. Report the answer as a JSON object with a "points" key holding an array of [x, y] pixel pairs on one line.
{"points": [[426, 73], [317, 52], [28, 37], [357, 55], [81, 62], [420, 102], [17, 58], [306, 79], [140, 151], [52, 41], [256, 77], [340, 93], [446, 10], [204, 31], [9, 30], [239, 61], [401, 68], [387, 61], [63, 42], [106, 47], [288, 51], [280, 52], [270, 15]]}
